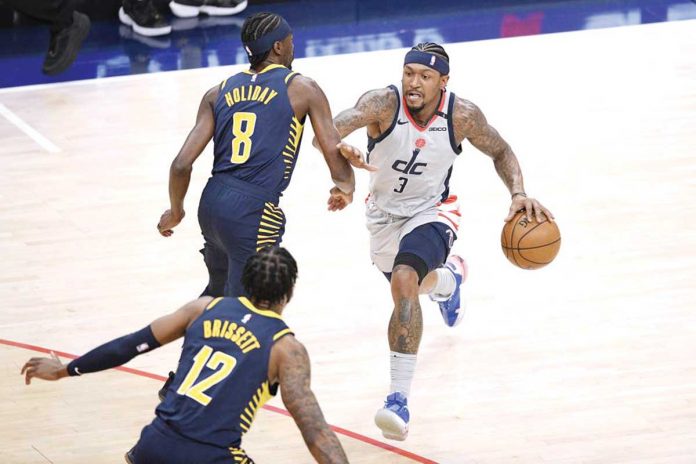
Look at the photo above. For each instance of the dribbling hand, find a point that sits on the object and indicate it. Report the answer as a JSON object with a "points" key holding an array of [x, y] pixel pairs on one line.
{"points": [[532, 208], [168, 221], [338, 199], [354, 156]]}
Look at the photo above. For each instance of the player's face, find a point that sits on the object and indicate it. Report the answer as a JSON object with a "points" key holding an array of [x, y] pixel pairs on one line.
{"points": [[421, 86]]}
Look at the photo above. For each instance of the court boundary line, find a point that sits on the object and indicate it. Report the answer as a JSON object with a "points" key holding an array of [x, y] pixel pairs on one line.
{"points": [[149, 375], [22, 125]]}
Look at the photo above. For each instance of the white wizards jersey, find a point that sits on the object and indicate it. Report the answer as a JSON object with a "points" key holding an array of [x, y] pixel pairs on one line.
{"points": [[415, 163]]}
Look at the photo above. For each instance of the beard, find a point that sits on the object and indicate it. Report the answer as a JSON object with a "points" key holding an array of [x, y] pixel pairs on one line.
{"points": [[415, 109]]}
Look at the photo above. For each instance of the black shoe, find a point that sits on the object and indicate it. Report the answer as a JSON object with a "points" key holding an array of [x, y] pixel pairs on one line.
{"points": [[143, 17], [65, 44], [163, 391], [190, 8]]}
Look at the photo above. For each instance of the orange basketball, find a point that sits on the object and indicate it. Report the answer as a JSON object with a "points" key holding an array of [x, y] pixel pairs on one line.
{"points": [[530, 245]]}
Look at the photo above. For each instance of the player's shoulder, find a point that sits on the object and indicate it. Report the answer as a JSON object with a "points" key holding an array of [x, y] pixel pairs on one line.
{"points": [[467, 117], [303, 82], [385, 95], [464, 108]]}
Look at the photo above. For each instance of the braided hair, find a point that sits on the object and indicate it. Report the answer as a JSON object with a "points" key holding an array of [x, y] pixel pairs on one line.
{"points": [[270, 275], [256, 26], [433, 49]]}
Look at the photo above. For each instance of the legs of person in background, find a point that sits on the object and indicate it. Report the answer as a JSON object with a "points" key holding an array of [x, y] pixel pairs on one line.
{"points": [[69, 29], [191, 8], [144, 18]]}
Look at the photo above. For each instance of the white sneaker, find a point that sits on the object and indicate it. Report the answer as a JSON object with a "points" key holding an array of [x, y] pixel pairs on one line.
{"points": [[191, 8]]}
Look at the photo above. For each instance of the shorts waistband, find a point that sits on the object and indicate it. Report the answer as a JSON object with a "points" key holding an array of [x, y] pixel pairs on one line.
{"points": [[245, 187]]}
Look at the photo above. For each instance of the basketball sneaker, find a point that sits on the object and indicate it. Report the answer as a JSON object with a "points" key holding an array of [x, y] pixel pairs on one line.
{"points": [[393, 418], [144, 18], [452, 309], [191, 8]]}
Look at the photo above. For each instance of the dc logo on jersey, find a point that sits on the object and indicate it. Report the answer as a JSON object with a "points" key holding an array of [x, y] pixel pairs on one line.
{"points": [[409, 167]]}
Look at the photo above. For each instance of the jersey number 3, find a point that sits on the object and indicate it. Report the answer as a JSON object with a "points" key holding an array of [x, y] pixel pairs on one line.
{"points": [[243, 125], [220, 362]]}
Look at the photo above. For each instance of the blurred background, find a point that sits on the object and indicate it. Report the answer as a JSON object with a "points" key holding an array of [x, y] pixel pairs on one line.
{"points": [[114, 48]]}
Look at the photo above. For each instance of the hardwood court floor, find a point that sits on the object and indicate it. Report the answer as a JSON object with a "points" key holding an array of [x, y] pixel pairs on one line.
{"points": [[590, 360]]}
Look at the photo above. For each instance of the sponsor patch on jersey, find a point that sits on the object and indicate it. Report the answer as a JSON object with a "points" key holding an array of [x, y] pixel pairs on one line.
{"points": [[437, 129]]}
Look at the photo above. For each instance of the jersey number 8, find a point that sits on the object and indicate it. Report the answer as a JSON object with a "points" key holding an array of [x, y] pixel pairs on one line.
{"points": [[243, 125], [203, 358]]}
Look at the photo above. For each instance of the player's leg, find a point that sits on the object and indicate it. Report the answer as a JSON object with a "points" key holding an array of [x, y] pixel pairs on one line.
{"points": [[214, 256], [257, 224], [444, 284], [421, 252]]}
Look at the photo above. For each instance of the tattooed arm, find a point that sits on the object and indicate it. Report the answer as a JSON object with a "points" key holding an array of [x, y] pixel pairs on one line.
{"points": [[290, 366], [374, 109], [470, 123]]}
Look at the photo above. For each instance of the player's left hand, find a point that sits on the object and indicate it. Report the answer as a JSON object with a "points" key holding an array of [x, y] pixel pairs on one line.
{"points": [[354, 156], [168, 221], [44, 368], [532, 207], [338, 199]]}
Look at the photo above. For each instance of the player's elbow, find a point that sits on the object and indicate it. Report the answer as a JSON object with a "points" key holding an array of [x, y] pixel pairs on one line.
{"points": [[180, 167]]}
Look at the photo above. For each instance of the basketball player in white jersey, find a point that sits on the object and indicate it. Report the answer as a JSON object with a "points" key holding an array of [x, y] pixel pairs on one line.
{"points": [[414, 136]]}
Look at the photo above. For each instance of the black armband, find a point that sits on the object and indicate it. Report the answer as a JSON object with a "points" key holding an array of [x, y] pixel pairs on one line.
{"points": [[114, 353]]}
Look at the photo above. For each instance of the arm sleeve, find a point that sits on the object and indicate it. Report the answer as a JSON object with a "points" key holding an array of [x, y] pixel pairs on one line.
{"points": [[114, 353]]}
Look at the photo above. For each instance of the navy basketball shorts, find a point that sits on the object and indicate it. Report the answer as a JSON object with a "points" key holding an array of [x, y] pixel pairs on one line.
{"points": [[159, 444], [422, 241], [236, 220]]}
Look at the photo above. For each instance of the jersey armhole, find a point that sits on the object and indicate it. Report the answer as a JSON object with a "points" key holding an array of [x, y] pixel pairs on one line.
{"points": [[371, 142], [291, 76], [450, 126]]}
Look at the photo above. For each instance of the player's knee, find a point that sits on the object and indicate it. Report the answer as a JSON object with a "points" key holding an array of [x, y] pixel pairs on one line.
{"points": [[404, 282]]}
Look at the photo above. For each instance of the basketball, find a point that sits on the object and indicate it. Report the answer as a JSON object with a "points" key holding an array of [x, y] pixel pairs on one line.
{"points": [[530, 244]]}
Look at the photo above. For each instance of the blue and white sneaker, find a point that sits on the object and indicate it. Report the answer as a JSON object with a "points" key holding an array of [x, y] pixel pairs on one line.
{"points": [[452, 309], [393, 418]]}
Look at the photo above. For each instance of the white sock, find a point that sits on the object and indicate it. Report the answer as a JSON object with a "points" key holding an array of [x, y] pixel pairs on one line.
{"points": [[402, 368], [445, 285]]}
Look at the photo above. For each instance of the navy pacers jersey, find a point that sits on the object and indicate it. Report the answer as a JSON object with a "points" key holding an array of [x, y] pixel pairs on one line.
{"points": [[222, 378], [257, 136]]}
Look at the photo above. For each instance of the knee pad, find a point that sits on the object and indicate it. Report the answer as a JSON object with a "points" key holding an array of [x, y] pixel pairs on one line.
{"points": [[414, 261]]}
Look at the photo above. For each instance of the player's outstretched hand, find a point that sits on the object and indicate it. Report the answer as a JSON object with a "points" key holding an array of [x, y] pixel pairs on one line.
{"points": [[44, 368], [168, 221], [354, 156], [531, 206], [338, 199]]}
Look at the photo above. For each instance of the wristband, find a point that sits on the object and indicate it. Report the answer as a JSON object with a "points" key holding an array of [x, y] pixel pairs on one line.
{"points": [[518, 193]]}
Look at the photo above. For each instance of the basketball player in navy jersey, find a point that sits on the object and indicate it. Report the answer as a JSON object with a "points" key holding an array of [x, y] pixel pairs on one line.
{"points": [[236, 353], [256, 118], [415, 134]]}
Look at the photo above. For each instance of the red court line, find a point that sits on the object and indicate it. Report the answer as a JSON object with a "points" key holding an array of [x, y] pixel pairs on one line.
{"points": [[149, 375]]}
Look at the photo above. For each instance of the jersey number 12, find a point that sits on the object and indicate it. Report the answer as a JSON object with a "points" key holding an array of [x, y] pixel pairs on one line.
{"points": [[221, 362], [243, 125]]}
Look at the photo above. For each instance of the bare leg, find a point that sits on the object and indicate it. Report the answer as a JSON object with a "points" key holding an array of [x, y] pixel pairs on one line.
{"points": [[406, 324], [428, 283]]}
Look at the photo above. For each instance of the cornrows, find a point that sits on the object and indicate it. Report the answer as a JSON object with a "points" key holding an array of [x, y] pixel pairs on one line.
{"points": [[270, 275], [432, 48], [256, 26]]}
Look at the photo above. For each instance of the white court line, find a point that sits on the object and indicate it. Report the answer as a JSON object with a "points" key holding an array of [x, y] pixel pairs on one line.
{"points": [[27, 129]]}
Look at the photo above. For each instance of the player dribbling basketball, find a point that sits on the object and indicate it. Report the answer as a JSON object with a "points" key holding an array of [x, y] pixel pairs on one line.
{"points": [[414, 136]]}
